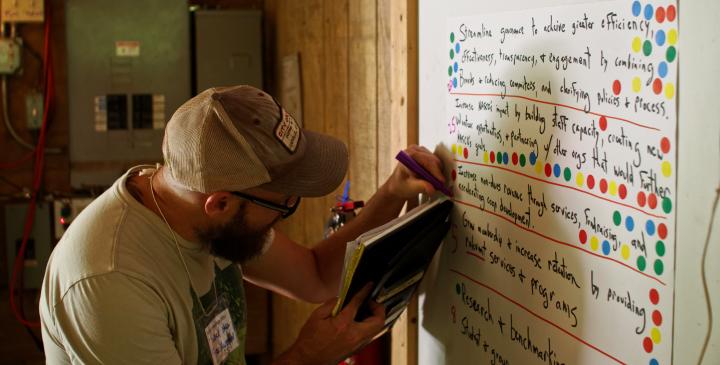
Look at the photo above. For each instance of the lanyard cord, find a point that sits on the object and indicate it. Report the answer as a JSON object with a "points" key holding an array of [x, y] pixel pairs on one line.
{"points": [[177, 245]]}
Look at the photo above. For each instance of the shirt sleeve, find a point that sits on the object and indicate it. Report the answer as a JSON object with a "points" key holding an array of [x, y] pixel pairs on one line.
{"points": [[115, 319]]}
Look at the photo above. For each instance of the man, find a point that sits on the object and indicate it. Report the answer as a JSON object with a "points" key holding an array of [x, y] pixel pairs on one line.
{"points": [[150, 271]]}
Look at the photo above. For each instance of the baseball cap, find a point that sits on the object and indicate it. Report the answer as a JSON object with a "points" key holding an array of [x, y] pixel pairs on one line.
{"points": [[239, 137]]}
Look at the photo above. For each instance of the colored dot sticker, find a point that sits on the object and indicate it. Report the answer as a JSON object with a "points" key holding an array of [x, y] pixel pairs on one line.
{"points": [[612, 188], [580, 179], [666, 205], [666, 169], [450, 70], [556, 170], [654, 296], [669, 91], [641, 263], [567, 174], [454, 149], [660, 248], [522, 160], [617, 218], [662, 230], [455, 82], [594, 243], [672, 37], [485, 157], [617, 87], [657, 86], [582, 236], [533, 158], [655, 335], [629, 223], [606, 247], [603, 186], [455, 67], [603, 120], [641, 199], [492, 157], [658, 267], [670, 54], [538, 167], [637, 44], [457, 47], [657, 317], [625, 252], [662, 69], [671, 13], [652, 201], [650, 227], [665, 145], [647, 48], [548, 170], [515, 158], [636, 8], [452, 37], [622, 191], [465, 152], [590, 182], [648, 12], [660, 14], [660, 38], [654, 362], [452, 53], [636, 84], [506, 158]]}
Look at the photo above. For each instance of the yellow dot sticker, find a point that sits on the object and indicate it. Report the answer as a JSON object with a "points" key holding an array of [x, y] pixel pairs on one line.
{"points": [[580, 179], [655, 335], [669, 90], [454, 149], [637, 44], [625, 252], [637, 85], [485, 157], [594, 243], [672, 36], [613, 189], [538, 166], [666, 169]]}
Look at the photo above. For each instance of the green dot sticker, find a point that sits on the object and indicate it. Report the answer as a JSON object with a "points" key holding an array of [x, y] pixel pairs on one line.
{"points": [[641, 263], [667, 205], [452, 53], [449, 70], [647, 48], [567, 174], [671, 54], [660, 248], [659, 267], [452, 37], [522, 160], [617, 218], [457, 288]]}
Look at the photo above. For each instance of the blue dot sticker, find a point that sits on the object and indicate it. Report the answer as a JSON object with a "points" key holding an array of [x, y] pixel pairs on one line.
{"points": [[533, 158], [662, 69], [556, 170], [455, 66], [606, 247], [629, 223], [660, 37], [650, 227], [636, 8], [648, 12], [457, 47], [455, 82], [654, 362]]}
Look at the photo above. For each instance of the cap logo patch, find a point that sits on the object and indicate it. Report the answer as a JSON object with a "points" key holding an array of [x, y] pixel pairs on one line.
{"points": [[287, 132]]}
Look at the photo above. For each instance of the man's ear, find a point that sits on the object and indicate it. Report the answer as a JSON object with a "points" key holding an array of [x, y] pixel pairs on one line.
{"points": [[217, 204]]}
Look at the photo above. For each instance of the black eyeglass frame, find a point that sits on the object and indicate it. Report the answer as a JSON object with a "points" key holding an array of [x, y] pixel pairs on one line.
{"points": [[285, 210]]}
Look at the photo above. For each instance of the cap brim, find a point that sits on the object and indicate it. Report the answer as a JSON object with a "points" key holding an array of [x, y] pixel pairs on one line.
{"points": [[319, 172]]}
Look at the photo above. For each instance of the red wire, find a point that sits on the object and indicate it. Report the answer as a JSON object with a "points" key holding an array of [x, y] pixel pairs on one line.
{"points": [[39, 153]]}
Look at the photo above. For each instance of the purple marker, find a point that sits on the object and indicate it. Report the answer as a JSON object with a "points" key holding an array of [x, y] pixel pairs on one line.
{"points": [[415, 167]]}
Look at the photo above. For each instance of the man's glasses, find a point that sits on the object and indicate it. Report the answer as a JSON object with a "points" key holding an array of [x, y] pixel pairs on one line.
{"points": [[286, 210]]}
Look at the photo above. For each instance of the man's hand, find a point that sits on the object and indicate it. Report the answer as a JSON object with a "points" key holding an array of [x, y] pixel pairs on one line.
{"points": [[325, 339], [405, 184]]}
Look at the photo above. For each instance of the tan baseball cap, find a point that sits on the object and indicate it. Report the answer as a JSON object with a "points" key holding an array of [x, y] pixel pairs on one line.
{"points": [[239, 137]]}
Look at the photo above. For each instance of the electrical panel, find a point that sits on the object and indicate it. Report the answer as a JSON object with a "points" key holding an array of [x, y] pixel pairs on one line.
{"points": [[128, 70], [65, 211], [39, 246], [228, 48]]}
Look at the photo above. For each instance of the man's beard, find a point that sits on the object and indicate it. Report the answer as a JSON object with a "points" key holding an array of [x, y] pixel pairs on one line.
{"points": [[234, 241]]}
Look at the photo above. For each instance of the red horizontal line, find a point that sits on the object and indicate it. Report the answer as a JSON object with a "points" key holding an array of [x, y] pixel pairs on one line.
{"points": [[557, 104], [564, 186], [538, 316], [473, 254], [561, 242]]}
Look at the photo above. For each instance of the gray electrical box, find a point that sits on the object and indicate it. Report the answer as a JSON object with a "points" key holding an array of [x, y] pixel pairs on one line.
{"points": [[228, 48], [39, 246], [128, 70]]}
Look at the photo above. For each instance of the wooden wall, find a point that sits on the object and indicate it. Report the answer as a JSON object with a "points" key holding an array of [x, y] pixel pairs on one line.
{"points": [[356, 59]]}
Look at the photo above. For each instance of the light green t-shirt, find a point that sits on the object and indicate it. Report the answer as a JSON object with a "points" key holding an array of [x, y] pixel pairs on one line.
{"points": [[116, 292]]}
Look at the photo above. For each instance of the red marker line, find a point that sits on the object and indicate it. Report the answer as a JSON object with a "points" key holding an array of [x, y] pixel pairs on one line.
{"points": [[561, 105], [473, 254], [561, 242], [539, 317], [564, 186]]}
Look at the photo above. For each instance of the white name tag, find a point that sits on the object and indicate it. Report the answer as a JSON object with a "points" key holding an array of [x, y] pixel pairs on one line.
{"points": [[221, 336]]}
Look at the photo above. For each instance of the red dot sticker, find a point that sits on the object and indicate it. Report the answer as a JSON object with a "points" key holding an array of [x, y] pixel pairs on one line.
{"points": [[641, 199], [652, 201], [454, 174], [590, 182], [603, 123], [654, 296], [548, 170], [662, 230], [617, 87], [515, 158], [657, 317], [665, 145], [671, 13], [465, 152], [648, 345], [583, 236], [660, 14], [657, 86], [603, 186], [622, 191], [492, 157]]}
